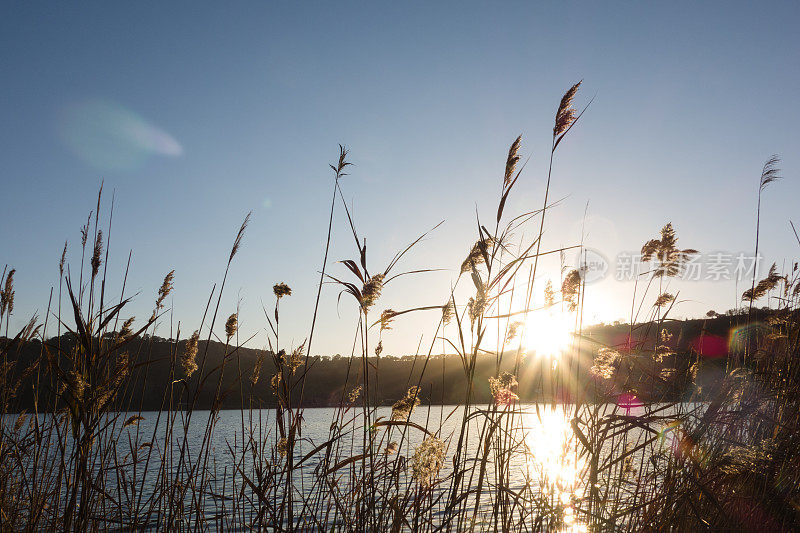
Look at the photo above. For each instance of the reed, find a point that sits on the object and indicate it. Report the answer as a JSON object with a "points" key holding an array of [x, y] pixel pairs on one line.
{"points": [[89, 457]]}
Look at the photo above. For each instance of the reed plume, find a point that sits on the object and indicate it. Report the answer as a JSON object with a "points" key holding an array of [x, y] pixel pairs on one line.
{"points": [[296, 358], [189, 357], [511, 161], [387, 315], [237, 242], [7, 294], [448, 312], [549, 294], [670, 259], [163, 292], [62, 261], [371, 291], [565, 116], [257, 368], [97, 253], [503, 388], [126, 331], [403, 407], [281, 290], [231, 325], [764, 286], [477, 254], [354, 394], [427, 460], [769, 174], [664, 299], [570, 289]]}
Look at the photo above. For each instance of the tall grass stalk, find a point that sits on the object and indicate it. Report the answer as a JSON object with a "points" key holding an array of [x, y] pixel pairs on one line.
{"points": [[645, 444]]}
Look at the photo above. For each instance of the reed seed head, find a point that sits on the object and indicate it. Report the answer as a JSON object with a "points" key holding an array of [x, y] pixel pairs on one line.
{"points": [[667, 373], [663, 300], [403, 407], [125, 331], [20, 422], [386, 318], [238, 240], [189, 359], [565, 115], [354, 394], [512, 331], [133, 421], [62, 261], [257, 368], [231, 325], [165, 289], [7, 294], [283, 446], [503, 387], [427, 460], [281, 290], [570, 289], [511, 161], [31, 329], [85, 231], [120, 369], [76, 385], [475, 307], [764, 286], [98, 251], [342, 163], [477, 254], [770, 172], [295, 359], [275, 381], [371, 291], [605, 363], [447, 312], [549, 294], [665, 250]]}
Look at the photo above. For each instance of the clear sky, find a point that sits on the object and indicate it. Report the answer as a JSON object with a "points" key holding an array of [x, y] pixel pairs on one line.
{"points": [[195, 113]]}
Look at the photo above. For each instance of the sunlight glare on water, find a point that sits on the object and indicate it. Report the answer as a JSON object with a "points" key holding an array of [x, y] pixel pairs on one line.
{"points": [[553, 461]]}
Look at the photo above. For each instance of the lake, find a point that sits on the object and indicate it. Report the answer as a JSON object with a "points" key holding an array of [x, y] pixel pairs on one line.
{"points": [[548, 460]]}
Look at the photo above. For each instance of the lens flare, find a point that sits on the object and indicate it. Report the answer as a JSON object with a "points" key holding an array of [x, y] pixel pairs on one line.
{"points": [[630, 403], [107, 136], [743, 336], [710, 346]]}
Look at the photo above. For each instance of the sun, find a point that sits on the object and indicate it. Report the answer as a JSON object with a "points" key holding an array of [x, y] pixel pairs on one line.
{"points": [[548, 333]]}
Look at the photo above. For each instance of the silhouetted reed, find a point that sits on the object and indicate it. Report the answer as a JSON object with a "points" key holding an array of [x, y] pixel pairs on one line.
{"points": [[88, 457]]}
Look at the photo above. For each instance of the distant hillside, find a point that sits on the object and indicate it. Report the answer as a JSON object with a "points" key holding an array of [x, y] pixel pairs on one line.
{"points": [[707, 341]]}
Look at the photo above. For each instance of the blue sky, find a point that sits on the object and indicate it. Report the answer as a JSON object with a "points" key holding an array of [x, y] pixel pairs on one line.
{"points": [[196, 113]]}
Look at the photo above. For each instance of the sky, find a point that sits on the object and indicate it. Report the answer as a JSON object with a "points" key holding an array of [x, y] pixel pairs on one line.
{"points": [[193, 114]]}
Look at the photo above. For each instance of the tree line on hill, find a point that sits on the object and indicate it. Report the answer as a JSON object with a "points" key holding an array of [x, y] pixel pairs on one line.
{"points": [[666, 361]]}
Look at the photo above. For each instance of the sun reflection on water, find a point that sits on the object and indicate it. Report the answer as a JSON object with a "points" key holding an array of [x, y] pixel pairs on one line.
{"points": [[553, 462]]}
